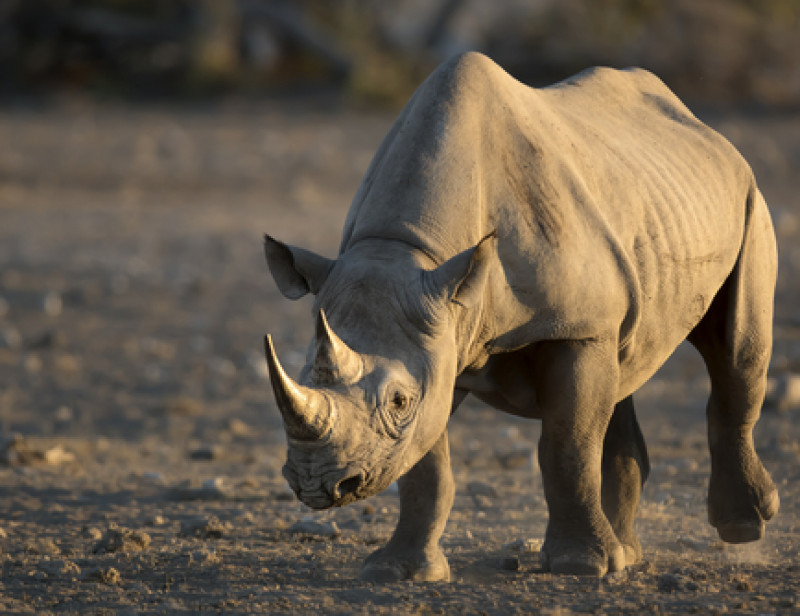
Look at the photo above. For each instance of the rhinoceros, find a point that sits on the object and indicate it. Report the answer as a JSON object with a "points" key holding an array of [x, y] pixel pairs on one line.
{"points": [[545, 249]]}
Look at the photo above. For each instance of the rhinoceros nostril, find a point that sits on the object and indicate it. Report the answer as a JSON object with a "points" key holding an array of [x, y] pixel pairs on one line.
{"points": [[347, 486]]}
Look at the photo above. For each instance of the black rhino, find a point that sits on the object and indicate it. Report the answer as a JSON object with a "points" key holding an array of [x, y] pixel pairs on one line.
{"points": [[545, 250]]}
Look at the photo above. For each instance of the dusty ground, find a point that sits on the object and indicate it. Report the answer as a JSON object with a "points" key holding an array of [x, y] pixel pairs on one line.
{"points": [[141, 449]]}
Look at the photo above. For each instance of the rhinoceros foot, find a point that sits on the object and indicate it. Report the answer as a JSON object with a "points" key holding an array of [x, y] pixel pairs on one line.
{"points": [[740, 502], [632, 549], [387, 565], [742, 525], [573, 558]]}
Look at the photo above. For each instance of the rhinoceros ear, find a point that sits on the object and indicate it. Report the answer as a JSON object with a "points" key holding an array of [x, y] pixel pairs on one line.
{"points": [[462, 278], [296, 271]]}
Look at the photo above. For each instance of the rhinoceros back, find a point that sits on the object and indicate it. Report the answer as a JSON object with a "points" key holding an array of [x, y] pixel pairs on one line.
{"points": [[614, 207]]}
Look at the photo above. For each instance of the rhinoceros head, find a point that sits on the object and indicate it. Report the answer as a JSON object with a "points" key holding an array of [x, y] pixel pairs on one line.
{"points": [[377, 387]]}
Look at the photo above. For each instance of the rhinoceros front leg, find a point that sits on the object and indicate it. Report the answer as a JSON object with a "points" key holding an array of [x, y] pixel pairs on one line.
{"points": [[625, 468], [426, 497], [576, 388]]}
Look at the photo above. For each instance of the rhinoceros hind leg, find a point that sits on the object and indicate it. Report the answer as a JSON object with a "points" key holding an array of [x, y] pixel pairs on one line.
{"points": [[625, 468], [426, 497], [735, 340]]}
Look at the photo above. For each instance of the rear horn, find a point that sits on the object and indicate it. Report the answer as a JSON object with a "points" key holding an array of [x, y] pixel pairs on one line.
{"points": [[334, 361]]}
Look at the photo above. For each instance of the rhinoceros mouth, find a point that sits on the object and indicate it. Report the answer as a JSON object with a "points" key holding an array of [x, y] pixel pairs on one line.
{"points": [[336, 490]]}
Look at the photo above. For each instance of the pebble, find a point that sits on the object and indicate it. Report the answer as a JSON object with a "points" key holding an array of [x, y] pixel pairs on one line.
{"points": [[57, 456], [183, 405], [203, 556], [32, 364], [205, 453], [783, 393], [157, 520], [524, 546], [52, 304], [222, 367], [478, 488], [308, 526], [509, 563], [518, 459], [669, 582], [10, 338], [64, 414], [210, 489], [104, 575], [58, 566], [119, 539], [203, 527], [239, 428], [48, 340]]}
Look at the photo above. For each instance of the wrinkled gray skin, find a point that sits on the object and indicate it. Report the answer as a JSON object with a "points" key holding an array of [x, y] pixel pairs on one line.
{"points": [[545, 250]]}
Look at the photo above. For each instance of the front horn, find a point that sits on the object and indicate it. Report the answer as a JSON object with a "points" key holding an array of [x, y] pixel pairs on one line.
{"points": [[306, 412], [334, 361]]}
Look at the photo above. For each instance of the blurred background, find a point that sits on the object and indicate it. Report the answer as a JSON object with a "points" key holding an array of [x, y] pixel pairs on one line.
{"points": [[724, 51]]}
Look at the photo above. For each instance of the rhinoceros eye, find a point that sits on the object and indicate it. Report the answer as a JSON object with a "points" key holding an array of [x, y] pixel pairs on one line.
{"points": [[399, 400], [395, 414]]}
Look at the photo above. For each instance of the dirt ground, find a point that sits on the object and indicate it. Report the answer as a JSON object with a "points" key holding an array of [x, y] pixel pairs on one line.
{"points": [[140, 447]]}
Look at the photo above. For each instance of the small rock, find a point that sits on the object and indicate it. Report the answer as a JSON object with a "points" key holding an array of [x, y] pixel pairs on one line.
{"points": [[222, 367], [17, 450], [92, 532], [3, 533], [688, 542], [44, 546], [153, 476], [239, 428], [203, 556], [519, 458], [10, 338], [183, 405], [157, 520], [744, 586], [119, 539], [49, 340], [204, 528], [669, 582], [308, 526], [509, 563], [478, 488], [56, 456], [64, 414], [32, 364], [205, 453], [783, 393], [524, 546], [5, 307], [104, 575], [52, 304], [154, 348], [59, 566], [483, 495], [211, 489]]}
